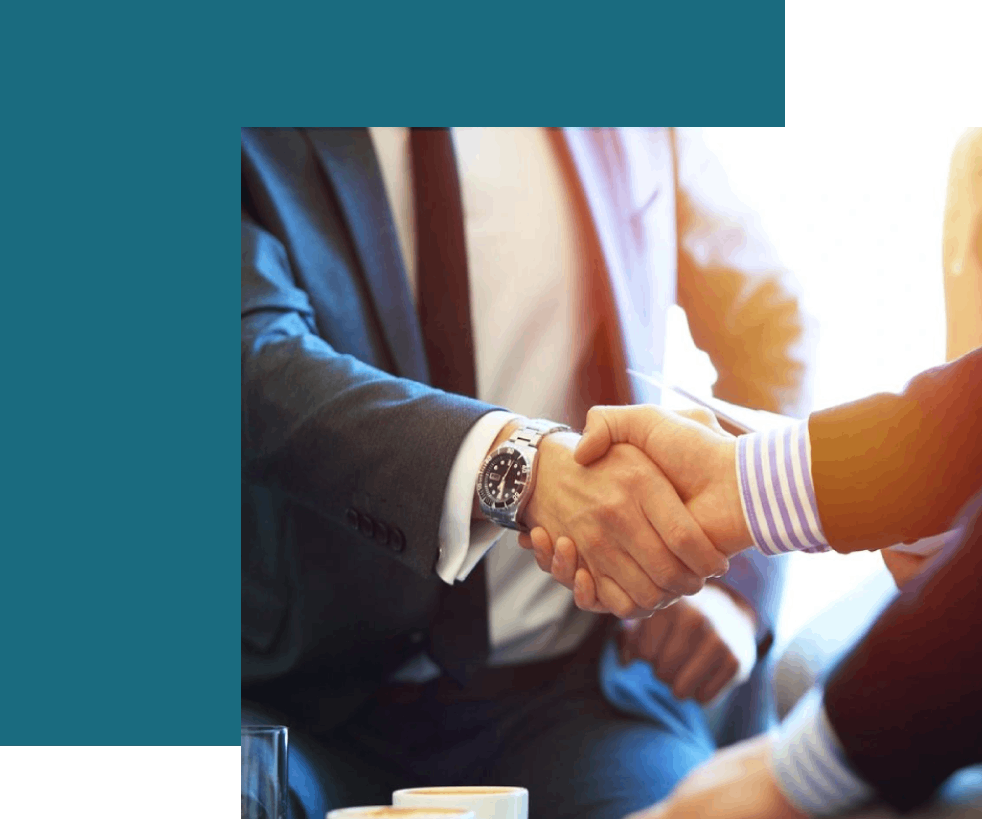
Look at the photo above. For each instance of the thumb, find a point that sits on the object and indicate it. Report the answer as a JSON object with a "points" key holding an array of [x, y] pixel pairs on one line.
{"points": [[596, 438]]}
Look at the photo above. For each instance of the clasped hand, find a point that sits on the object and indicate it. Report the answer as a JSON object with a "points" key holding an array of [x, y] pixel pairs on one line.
{"points": [[646, 503]]}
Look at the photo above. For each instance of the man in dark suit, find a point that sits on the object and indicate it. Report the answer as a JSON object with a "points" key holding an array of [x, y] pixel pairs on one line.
{"points": [[350, 455]]}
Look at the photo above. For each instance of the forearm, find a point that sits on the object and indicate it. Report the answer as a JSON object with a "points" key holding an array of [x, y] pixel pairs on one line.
{"points": [[809, 764], [892, 468], [880, 471], [347, 440], [337, 435]]}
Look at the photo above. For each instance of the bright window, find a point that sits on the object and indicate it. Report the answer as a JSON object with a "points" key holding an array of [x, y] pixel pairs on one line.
{"points": [[857, 215]]}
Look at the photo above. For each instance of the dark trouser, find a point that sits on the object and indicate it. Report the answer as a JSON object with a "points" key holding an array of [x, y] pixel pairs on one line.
{"points": [[577, 755]]}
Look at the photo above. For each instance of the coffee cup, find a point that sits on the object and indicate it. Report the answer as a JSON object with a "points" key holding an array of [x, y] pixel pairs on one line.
{"points": [[391, 812], [487, 801]]}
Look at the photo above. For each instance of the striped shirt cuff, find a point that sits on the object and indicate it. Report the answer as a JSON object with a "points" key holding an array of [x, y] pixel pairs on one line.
{"points": [[776, 491], [809, 764]]}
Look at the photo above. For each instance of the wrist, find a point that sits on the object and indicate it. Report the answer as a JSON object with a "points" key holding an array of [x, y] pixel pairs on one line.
{"points": [[555, 456], [738, 532]]}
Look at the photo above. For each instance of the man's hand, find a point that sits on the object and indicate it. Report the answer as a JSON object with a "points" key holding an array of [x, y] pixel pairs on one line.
{"points": [[637, 540], [735, 783], [681, 643], [684, 649], [695, 454], [698, 457]]}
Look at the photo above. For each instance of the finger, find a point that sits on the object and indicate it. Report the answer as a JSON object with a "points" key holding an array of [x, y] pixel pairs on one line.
{"points": [[711, 687], [605, 556], [540, 539], [542, 546], [525, 541], [564, 561], [611, 595], [680, 646], [543, 560], [647, 640], [585, 593], [700, 667], [626, 546], [697, 556], [596, 437], [612, 598], [606, 426]]}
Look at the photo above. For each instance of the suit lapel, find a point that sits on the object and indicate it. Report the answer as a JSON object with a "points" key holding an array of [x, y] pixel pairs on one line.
{"points": [[349, 162], [627, 180]]}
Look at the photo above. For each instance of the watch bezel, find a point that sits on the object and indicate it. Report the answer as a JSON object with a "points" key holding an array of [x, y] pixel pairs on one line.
{"points": [[489, 505]]}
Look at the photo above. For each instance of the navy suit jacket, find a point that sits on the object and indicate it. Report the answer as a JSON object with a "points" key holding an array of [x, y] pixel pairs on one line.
{"points": [[906, 702], [340, 516]]}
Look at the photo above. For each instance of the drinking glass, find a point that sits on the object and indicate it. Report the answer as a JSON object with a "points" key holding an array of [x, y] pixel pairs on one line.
{"points": [[264, 772]]}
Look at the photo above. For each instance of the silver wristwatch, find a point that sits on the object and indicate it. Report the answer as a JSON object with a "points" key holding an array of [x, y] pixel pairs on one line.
{"points": [[507, 477]]}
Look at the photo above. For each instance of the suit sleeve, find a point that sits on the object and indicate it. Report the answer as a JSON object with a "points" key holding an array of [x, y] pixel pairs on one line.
{"points": [[896, 468], [905, 702], [331, 432]]}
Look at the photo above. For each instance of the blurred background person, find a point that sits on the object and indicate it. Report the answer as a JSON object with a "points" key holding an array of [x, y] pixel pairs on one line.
{"points": [[963, 246]]}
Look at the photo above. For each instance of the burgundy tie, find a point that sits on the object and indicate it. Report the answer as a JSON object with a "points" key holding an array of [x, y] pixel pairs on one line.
{"points": [[459, 636]]}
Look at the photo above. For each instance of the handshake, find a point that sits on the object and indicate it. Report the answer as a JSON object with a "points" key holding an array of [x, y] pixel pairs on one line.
{"points": [[639, 510]]}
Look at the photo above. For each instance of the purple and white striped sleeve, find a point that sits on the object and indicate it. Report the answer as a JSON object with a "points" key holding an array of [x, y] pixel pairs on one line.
{"points": [[809, 764], [776, 491]]}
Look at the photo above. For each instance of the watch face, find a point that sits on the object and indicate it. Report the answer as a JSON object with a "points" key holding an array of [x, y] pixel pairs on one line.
{"points": [[503, 479]]}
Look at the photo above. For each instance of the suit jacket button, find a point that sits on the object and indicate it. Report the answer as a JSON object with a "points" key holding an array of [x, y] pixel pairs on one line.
{"points": [[416, 637], [397, 541], [351, 515], [381, 533], [365, 524]]}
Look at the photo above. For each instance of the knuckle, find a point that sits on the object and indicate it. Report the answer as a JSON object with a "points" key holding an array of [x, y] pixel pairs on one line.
{"points": [[649, 599], [594, 544], [670, 600], [702, 415], [623, 611], [680, 538], [689, 584], [700, 630], [680, 582]]}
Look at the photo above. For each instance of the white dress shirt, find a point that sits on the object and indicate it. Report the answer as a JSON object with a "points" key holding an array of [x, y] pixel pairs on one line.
{"points": [[532, 327]]}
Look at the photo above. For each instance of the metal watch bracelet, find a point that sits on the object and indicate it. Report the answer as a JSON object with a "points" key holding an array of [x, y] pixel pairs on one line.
{"points": [[534, 431]]}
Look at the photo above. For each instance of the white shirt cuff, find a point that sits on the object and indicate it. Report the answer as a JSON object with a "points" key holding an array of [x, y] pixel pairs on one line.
{"points": [[464, 542], [809, 764], [774, 473]]}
